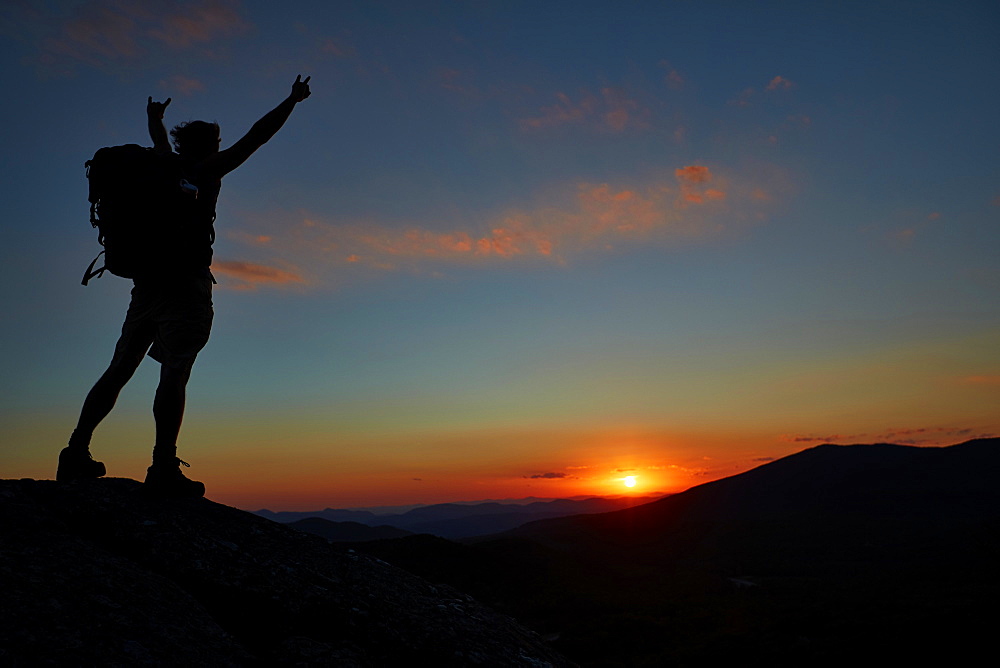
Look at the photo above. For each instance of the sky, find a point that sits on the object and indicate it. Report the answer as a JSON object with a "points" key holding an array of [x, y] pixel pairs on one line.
{"points": [[513, 249]]}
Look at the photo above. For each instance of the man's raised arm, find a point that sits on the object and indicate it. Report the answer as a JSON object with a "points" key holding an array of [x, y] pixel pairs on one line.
{"points": [[154, 118], [234, 156]]}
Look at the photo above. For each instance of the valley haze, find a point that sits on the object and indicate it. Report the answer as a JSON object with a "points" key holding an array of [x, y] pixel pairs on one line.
{"points": [[462, 520]]}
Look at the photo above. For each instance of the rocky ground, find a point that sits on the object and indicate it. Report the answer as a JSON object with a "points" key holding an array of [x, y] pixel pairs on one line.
{"points": [[96, 573]]}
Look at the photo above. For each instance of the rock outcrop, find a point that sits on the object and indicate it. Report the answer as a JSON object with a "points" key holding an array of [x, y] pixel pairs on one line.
{"points": [[96, 573]]}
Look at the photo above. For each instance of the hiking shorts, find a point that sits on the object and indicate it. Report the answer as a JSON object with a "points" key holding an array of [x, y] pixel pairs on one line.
{"points": [[169, 320]]}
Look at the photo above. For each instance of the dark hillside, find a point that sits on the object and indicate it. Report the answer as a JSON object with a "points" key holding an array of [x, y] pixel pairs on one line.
{"points": [[835, 552], [95, 573], [343, 532]]}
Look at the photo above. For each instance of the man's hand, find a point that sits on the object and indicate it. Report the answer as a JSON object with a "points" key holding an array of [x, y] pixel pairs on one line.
{"points": [[156, 109], [300, 89], [227, 160], [154, 121]]}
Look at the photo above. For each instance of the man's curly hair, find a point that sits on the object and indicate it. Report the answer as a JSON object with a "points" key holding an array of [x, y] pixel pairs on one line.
{"points": [[196, 138]]}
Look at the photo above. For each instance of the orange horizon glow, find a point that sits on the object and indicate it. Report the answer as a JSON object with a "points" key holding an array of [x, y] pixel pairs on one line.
{"points": [[334, 485], [453, 467], [348, 484]]}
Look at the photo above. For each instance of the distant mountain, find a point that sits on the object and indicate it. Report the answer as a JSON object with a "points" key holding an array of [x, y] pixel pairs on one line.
{"points": [[457, 520], [331, 514], [96, 573], [882, 551], [855, 486], [341, 532]]}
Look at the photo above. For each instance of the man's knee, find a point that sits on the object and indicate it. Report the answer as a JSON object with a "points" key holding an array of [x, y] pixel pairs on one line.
{"points": [[121, 369], [175, 375]]}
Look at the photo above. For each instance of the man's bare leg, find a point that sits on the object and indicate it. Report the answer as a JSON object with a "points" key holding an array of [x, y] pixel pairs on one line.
{"points": [[75, 460], [168, 411], [164, 477], [102, 398]]}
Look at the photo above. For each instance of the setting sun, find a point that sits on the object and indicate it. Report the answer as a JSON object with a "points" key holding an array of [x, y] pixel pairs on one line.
{"points": [[629, 481]]}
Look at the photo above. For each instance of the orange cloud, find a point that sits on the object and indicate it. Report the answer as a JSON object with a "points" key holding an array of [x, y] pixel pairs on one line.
{"points": [[696, 204], [563, 112], [338, 48], [612, 110], [832, 438], [901, 436], [249, 275], [95, 33], [102, 32], [906, 235], [198, 22], [799, 121], [453, 79], [551, 475], [621, 212], [251, 239], [779, 83], [743, 99], [692, 175], [673, 78], [182, 84], [622, 111]]}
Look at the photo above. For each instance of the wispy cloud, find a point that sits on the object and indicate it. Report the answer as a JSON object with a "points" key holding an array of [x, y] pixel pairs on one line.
{"points": [[779, 83], [611, 109], [744, 98], [564, 111], [196, 22], [338, 48], [810, 438], [697, 204], [552, 475], [248, 275], [182, 85], [672, 78], [747, 95], [100, 33], [453, 79], [897, 435], [906, 235], [695, 189]]}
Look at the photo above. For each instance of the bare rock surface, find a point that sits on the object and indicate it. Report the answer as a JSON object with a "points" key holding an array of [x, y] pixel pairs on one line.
{"points": [[97, 573]]}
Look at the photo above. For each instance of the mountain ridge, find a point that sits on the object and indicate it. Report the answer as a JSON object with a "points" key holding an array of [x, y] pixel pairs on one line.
{"points": [[863, 478], [461, 520]]}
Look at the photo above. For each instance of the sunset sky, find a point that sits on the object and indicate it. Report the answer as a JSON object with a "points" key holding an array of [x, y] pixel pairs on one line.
{"points": [[520, 248]]}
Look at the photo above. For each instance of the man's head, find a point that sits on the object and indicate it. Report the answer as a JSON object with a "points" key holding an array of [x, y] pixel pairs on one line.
{"points": [[196, 139]]}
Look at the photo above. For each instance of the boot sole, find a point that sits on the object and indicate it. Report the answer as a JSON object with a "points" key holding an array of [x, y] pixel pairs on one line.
{"points": [[64, 476]]}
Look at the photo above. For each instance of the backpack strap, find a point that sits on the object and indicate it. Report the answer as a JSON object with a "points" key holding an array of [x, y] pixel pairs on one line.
{"points": [[91, 272]]}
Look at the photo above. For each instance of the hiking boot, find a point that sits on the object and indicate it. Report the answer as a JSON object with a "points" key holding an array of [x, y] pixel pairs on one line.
{"points": [[166, 480], [77, 464]]}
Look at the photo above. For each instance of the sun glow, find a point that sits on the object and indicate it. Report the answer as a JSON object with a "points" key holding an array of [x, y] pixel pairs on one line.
{"points": [[629, 480]]}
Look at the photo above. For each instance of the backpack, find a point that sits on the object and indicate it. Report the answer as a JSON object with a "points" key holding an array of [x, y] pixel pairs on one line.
{"points": [[140, 203]]}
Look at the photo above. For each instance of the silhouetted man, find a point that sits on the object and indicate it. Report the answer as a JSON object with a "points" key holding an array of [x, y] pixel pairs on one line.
{"points": [[170, 314]]}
